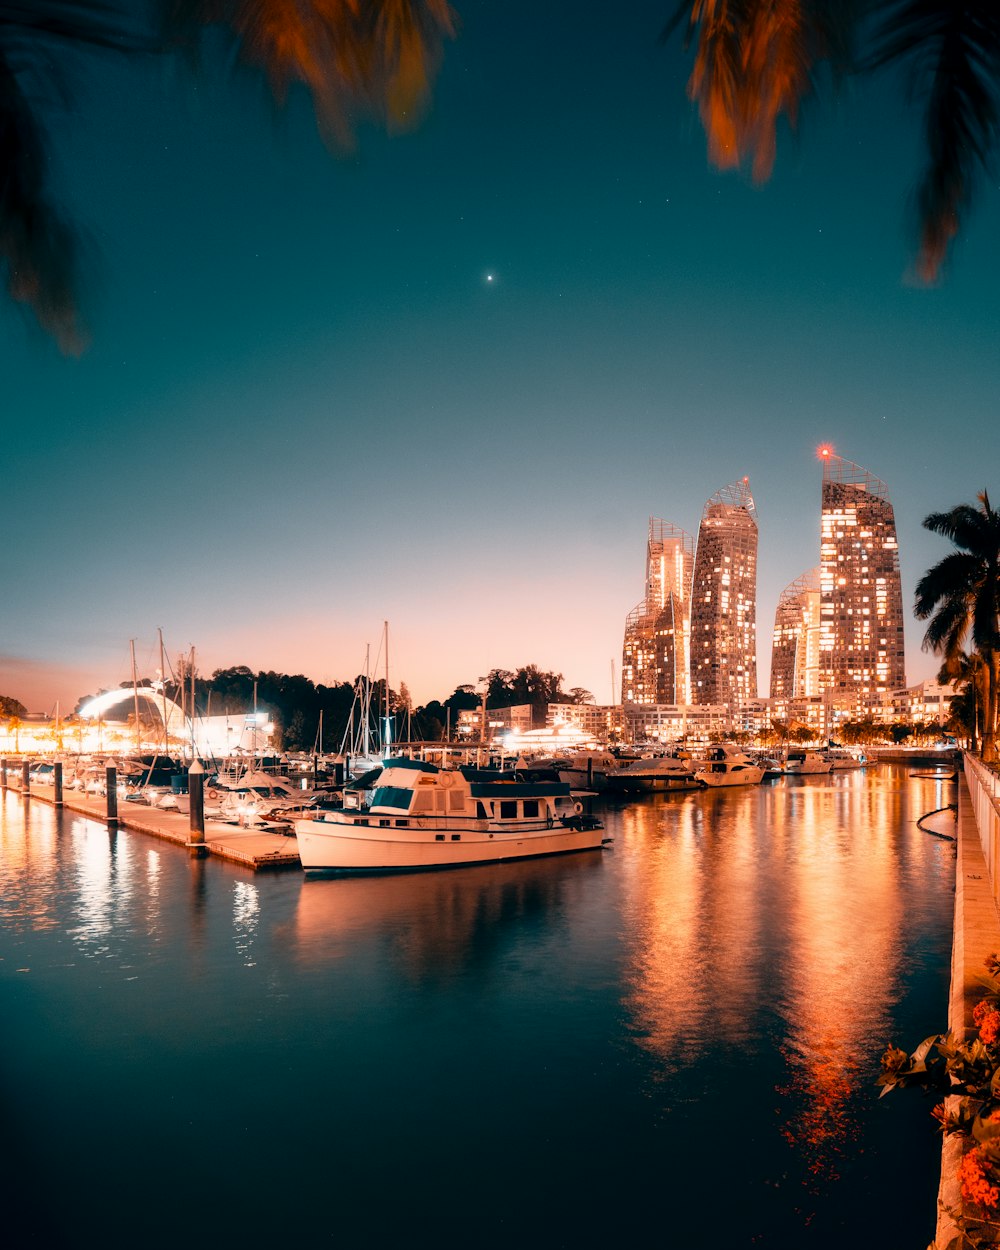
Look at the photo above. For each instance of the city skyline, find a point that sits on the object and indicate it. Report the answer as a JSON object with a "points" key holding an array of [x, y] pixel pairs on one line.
{"points": [[861, 653], [445, 380]]}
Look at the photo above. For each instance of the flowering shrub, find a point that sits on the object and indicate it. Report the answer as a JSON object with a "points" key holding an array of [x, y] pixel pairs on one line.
{"points": [[967, 1076]]}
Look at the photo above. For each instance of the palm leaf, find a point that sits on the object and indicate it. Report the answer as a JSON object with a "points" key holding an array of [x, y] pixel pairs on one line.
{"points": [[952, 51], [357, 58], [37, 247], [754, 65]]}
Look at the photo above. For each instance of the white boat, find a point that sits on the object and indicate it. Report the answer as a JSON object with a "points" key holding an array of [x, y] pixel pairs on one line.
{"points": [[846, 757], [728, 766], [582, 770], [805, 763], [423, 816], [662, 772]]}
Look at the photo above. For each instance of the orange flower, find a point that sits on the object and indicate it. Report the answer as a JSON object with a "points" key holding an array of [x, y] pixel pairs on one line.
{"points": [[989, 1027], [894, 1060], [976, 1187]]}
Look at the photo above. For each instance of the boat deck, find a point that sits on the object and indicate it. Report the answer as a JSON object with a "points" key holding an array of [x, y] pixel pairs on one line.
{"points": [[259, 849]]}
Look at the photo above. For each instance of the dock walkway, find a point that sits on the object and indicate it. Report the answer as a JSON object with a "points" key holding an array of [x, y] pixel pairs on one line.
{"points": [[258, 849]]}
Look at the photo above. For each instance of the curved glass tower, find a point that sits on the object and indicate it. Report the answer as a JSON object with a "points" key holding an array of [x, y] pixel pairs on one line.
{"points": [[861, 601], [724, 600], [657, 631], [795, 644]]}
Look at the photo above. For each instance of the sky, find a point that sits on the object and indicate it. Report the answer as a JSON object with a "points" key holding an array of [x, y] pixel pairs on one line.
{"points": [[444, 382]]}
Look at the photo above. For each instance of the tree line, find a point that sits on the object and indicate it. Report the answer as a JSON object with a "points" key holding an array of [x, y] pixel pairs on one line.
{"points": [[311, 716]]}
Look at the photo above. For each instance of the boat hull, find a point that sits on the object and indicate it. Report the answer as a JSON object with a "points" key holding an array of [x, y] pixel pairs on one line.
{"points": [[743, 777], [654, 784], [330, 846]]}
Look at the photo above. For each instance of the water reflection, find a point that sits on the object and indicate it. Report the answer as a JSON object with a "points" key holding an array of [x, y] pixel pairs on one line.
{"points": [[437, 925], [246, 919], [723, 973], [773, 920]]}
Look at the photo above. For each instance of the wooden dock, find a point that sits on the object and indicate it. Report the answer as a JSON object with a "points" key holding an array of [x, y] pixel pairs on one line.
{"points": [[258, 849]]}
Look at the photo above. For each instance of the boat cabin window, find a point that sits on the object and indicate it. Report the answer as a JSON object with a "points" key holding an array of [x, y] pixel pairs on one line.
{"points": [[508, 809], [402, 824], [531, 807], [481, 813], [384, 824]]}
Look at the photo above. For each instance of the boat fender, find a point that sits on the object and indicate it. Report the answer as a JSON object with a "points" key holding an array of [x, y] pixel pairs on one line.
{"points": [[445, 780], [578, 808], [212, 794]]}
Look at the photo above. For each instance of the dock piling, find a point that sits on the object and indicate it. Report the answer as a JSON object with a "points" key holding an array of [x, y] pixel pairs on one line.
{"points": [[3, 774], [25, 777], [57, 783], [196, 804], [111, 790]]}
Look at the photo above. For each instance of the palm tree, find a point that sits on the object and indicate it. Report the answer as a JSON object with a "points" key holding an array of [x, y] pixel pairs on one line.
{"points": [[756, 61], [357, 58], [966, 674], [960, 596]]}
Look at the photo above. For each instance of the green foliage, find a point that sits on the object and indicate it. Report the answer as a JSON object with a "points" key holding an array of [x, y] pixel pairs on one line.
{"points": [[960, 599], [965, 1075], [10, 707]]}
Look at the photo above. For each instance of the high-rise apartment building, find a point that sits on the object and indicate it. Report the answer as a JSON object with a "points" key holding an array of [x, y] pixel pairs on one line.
{"points": [[795, 644], [655, 655], [861, 602], [724, 600]]}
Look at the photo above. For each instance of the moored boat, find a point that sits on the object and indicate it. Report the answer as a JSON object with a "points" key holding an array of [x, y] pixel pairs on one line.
{"points": [[423, 816], [805, 763], [846, 757], [728, 766], [662, 772]]}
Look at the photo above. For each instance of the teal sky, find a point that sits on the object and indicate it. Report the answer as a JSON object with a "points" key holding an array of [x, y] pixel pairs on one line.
{"points": [[306, 409]]}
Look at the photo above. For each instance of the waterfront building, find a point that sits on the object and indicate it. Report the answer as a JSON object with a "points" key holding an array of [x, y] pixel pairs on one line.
{"points": [[724, 599], [601, 721], [672, 723], [861, 604], [795, 644], [518, 718], [926, 703], [655, 653]]}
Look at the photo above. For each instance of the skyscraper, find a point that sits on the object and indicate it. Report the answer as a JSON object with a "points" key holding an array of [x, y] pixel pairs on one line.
{"points": [[724, 600], [795, 645], [657, 630], [861, 601]]}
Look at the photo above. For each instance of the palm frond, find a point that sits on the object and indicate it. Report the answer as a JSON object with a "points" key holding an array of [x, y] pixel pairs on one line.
{"points": [[953, 53], [357, 58], [974, 529], [754, 65], [950, 578], [37, 247]]}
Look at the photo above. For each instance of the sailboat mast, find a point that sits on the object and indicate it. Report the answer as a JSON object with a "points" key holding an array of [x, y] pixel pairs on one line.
{"points": [[367, 700], [163, 694], [135, 697], [387, 737]]}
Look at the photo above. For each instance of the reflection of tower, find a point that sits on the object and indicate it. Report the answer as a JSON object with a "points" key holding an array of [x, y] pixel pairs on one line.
{"points": [[795, 646], [723, 601], [861, 602], [657, 631]]}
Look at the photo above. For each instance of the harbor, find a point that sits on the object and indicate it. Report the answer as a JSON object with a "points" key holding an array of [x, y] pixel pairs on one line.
{"points": [[732, 956]]}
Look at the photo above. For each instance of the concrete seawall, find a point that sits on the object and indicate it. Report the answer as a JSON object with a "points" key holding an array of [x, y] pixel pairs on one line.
{"points": [[977, 934]]}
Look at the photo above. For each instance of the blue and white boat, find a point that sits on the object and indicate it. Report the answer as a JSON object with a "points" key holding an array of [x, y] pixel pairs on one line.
{"points": [[418, 815]]}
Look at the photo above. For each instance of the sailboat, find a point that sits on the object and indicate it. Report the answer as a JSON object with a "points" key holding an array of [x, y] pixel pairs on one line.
{"points": [[364, 744]]}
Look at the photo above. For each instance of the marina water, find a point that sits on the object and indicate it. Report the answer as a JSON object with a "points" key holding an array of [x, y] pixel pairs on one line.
{"points": [[671, 1042]]}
